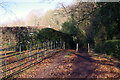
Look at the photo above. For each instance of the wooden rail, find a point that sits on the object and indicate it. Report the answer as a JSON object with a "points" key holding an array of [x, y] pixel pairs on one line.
{"points": [[14, 62]]}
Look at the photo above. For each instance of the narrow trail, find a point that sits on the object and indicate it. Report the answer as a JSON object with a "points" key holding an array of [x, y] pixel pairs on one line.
{"points": [[76, 65]]}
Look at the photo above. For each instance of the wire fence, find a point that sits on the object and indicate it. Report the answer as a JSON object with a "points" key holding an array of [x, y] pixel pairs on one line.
{"points": [[16, 59]]}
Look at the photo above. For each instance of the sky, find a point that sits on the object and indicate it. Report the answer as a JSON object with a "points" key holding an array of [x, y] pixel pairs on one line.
{"points": [[19, 9], [11, 10]]}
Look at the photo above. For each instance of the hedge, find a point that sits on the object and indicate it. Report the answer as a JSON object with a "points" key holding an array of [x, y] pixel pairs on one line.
{"points": [[110, 47], [53, 35]]}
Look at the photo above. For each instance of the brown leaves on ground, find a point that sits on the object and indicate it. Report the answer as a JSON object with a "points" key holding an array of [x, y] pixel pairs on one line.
{"points": [[75, 65]]}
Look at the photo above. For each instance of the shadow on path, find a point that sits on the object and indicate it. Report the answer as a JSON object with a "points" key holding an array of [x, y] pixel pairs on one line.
{"points": [[83, 66], [86, 67]]}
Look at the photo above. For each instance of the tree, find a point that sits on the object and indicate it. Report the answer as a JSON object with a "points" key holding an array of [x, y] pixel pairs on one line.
{"points": [[34, 18], [18, 22], [83, 16], [69, 27], [50, 19], [106, 23]]}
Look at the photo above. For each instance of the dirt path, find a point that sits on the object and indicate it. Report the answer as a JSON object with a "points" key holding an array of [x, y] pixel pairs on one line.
{"points": [[75, 65]]}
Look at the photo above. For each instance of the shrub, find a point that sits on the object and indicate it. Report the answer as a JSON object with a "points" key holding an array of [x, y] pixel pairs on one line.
{"points": [[110, 47]]}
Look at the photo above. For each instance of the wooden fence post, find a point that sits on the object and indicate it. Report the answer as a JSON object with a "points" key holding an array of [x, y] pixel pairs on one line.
{"points": [[30, 52], [54, 47], [5, 65], [60, 45], [77, 47], [88, 48], [38, 53], [20, 56], [43, 49], [64, 45], [56, 44], [48, 45], [51, 44]]}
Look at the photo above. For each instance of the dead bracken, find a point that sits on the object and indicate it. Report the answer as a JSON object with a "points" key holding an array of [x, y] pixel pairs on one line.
{"points": [[76, 65]]}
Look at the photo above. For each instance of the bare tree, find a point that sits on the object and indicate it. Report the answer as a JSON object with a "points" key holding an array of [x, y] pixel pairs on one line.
{"points": [[50, 18], [5, 7], [83, 13], [34, 17]]}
